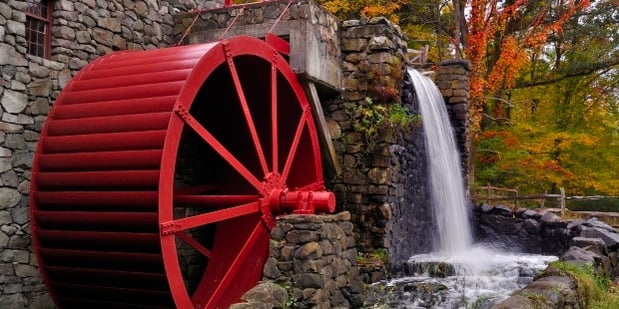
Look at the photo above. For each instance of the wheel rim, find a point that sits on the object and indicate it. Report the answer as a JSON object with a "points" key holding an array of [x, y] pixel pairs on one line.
{"points": [[159, 174]]}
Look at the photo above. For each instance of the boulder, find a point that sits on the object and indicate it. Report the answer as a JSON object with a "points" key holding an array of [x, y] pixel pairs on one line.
{"points": [[597, 223], [580, 256], [610, 238]]}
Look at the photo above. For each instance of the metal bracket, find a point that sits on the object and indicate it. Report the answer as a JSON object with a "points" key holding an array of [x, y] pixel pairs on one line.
{"points": [[169, 228], [182, 112]]}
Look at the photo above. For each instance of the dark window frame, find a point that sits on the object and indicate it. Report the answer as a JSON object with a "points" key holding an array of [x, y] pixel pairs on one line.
{"points": [[38, 14]]}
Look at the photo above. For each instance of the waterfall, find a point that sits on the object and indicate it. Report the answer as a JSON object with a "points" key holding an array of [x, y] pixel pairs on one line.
{"points": [[457, 274], [445, 175]]}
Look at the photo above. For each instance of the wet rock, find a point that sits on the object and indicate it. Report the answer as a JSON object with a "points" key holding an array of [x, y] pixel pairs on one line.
{"points": [[576, 224], [552, 292], [502, 210], [431, 269], [551, 219], [532, 226], [584, 242], [301, 236], [529, 213], [610, 238], [580, 256], [310, 250], [267, 293], [595, 222], [515, 302], [426, 293], [486, 208]]}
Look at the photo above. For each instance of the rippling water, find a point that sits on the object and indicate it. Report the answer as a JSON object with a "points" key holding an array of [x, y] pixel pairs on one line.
{"points": [[482, 277]]}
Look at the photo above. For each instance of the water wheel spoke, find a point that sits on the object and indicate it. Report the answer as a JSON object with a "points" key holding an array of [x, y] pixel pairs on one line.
{"points": [[274, 128], [295, 143], [248, 118], [222, 150], [194, 243], [236, 264], [179, 225]]}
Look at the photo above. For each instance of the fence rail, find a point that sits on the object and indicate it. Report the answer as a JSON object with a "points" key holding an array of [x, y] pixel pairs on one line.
{"points": [[492, 193]]}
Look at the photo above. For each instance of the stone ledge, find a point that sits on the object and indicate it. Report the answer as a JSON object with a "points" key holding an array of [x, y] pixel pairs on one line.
{"points": [[591, 242]]}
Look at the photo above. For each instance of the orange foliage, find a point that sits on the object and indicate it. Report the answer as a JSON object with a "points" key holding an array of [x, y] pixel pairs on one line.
{"points": [[350, 9], [382, 9], [508, 139], [488, 34]]}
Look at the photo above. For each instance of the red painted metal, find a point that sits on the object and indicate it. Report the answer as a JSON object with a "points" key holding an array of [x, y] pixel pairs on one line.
{"points": [[158, 175]]}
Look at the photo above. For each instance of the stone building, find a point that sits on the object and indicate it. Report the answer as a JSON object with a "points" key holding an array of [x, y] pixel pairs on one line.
{"points": [[43, 43]]}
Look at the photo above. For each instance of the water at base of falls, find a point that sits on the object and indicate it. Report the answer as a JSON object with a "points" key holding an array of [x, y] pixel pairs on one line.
{"points": [[477, 279]]}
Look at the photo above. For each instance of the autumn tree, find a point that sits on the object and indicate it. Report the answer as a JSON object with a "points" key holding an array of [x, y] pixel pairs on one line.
{"points": [[543, 83], [500, 36], [563, 129], [495, 35]]}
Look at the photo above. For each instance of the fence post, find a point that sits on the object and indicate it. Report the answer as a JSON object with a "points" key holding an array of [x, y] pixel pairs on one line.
{"points": [[562, 201], [488, 193], [516, 197]]}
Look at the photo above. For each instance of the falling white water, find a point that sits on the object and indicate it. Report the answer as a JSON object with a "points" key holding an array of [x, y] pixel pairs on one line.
{"points": [[446, 184]]}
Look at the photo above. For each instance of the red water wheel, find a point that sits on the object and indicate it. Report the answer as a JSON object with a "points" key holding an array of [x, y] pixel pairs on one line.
{"points": [[158, 174]]}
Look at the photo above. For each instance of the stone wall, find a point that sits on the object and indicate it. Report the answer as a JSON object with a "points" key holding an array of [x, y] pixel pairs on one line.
{"points": [[373, 185], [452, 78], [81, 31], [312, 264], [523, 230]]}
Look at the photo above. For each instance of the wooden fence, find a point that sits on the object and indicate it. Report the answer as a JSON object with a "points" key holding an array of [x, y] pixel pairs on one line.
{"points": [[490, 193]]}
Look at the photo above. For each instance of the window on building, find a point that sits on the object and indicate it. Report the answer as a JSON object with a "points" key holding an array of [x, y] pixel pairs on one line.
{"points": [[38, 27]]}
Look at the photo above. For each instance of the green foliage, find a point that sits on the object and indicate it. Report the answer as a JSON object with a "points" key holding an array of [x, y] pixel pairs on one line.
{"points": [[596, 290], [381, 254], [369, 118], [400, 117], [378, 257], [537, 298], [557, 136], [290, 301], [373, 119]]}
